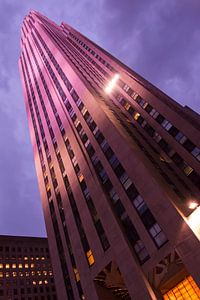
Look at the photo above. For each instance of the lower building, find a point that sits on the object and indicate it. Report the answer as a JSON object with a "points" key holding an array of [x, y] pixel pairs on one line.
{"points": [[25, 269]]}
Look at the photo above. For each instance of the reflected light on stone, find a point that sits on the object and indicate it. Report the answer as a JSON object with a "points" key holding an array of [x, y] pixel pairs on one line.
{"points": [[111, 84], [193, 221], [193, 205]]}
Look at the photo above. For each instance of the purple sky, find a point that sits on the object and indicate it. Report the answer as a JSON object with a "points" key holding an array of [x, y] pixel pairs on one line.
{"points": [[159, 39]]}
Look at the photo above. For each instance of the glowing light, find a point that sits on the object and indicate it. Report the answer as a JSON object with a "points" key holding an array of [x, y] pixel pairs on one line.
{"points": [[193, 205], [111, 84], [194, 222]]}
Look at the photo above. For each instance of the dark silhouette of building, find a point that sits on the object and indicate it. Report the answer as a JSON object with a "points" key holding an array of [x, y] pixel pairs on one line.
{"points": [[25, 269], [118, 166]]}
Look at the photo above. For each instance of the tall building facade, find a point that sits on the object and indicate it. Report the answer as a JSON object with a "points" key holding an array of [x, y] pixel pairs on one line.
{"points": [[118, 166], [25, 269]]}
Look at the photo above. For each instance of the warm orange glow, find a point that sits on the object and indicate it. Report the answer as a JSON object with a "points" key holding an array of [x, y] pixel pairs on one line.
{"points": [[1, 266], [14, 266], [7, 266], [20, 266], [186, 289], [111, 84], [136, 116], [90, 257]]}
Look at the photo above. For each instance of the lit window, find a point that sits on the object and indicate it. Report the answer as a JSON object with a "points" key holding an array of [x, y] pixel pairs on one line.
{"points": [[32, 273], [7, 266], [186, 289], [21, 274], [7, 274], [1, 266], [46, 281], [32, 265], [136, 116], [25, 258], [27, 274], [42, 258], [20, 266], [14, 274], [127, 106], [26, 266], [77, 275], [1, 274], [14, 266], [80, 177], [34, 282], [187, 170], [90, 257], [40, 282]]}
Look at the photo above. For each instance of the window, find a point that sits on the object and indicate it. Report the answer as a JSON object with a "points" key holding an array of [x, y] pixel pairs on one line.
{"points": [[196, 151], [188, 145], [160, 119], [158, 235], [148, 108], [90, 257], [140, 205], [136, 116], [173, 131], [141, 251]]}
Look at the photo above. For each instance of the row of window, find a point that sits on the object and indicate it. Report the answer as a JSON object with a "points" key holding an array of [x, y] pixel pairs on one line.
{"points": [[129, 187], [166, 124], [77, 218], [161, 235], [93, 53], [53, 216], [160, 119], [176, 158], [24, 249], [54, 181], [178, 135], [127, 224], [90, 203], [164, 175]]}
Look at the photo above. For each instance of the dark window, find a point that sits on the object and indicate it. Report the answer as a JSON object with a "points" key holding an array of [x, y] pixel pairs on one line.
{"points": [[173, 131], [119, 170], [160, 119], [188, 145], [149, 129], [131, 110], [148, 108], [148, 219], [132, 192]]}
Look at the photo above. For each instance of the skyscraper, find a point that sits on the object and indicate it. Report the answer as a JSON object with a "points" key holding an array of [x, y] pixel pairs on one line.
{"points": [[118, 165]]}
